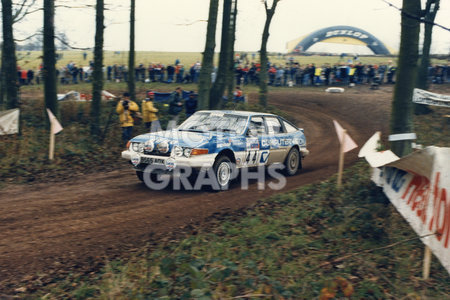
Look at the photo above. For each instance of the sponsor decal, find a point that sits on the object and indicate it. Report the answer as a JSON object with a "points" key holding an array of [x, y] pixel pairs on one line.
{"points": [[253, 144], [223, 145], [170, 164], [285, 142], [274, 143], [264, 157], [238, 161], [135, 160]]}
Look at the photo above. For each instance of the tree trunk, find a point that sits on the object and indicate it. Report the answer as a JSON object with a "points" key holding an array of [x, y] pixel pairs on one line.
{"points": [[131, 55], [263, 53], [218, 88], [97, 74], [401, 118], [9, 64], [2, 82], [230, 74], [204, 85], [422, 77], [49, 69]]}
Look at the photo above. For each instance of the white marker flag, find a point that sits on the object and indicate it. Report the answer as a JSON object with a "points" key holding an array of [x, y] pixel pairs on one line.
{"points": [[9, 121], [55, 125], [349, 143]]}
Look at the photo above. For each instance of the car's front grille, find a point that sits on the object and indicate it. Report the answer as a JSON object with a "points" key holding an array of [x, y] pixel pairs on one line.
{"points": [[156, 152]]}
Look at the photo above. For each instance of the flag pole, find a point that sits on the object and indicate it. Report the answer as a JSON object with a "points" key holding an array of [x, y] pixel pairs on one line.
{"points": [[341, 159], [51, 150], [426, 263]]}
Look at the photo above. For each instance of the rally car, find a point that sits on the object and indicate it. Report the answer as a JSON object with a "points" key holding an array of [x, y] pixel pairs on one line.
{"points": [[221, 142]]}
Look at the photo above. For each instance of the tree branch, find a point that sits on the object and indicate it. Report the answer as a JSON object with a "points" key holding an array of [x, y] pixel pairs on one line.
{"points": [[411, 16], [28, 37], [70, 46]]}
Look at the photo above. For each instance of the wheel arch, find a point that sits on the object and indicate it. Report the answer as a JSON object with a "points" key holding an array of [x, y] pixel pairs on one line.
{"points": [[227, 152]]}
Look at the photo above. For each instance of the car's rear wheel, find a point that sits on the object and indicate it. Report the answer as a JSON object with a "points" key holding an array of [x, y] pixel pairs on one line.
{"points": [[223, 171], [293, 162]]}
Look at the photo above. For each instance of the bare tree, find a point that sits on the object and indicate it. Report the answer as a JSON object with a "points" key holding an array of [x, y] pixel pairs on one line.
{"points": [[401, 116], [263, 52], [131, 55], [429, 14], [9, 63], [230, 74], [204, 84], [97, 74], [49, 69], [218, 88]]}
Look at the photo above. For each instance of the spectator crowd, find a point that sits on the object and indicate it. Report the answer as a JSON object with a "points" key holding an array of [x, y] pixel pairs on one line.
{"points": [[289, 74]]}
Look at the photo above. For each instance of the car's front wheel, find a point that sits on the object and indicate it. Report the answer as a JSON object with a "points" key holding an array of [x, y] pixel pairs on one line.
{"points": [[140, 176], [293, 162], [223, 171]]}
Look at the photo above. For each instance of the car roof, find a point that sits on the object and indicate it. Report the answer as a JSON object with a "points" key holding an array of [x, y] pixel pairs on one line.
{"points": [[240, 112]]}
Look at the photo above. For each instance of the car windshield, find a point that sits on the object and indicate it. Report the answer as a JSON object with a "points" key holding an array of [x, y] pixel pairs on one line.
{"points": [[214, 121]]}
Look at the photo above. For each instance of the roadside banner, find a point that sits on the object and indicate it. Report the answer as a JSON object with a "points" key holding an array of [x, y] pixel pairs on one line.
{"points": [[107, 95], [347, 144], [429, 98], [71, 96], [9, 121], [418, 186]]}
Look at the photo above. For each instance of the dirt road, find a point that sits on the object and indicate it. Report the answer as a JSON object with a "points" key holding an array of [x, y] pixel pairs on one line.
{"points": [[53, 229]]}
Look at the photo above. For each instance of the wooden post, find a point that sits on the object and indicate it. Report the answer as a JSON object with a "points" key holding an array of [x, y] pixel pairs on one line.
{"points": [[341, 160], [426, 263], [51, 150]]}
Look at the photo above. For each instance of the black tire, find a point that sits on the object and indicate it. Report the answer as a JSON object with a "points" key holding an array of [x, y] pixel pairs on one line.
{"points": [[223, 171], [140, 176], [293, 162]]}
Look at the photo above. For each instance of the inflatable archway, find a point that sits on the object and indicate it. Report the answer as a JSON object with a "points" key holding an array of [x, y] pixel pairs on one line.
{"points": [[340, 35]]}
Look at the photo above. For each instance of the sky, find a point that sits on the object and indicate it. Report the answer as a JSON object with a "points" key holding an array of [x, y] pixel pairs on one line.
{"points": [[180, 25]]}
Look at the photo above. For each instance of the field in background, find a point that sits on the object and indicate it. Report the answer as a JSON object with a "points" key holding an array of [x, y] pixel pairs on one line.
{"points": [[32, 59]]}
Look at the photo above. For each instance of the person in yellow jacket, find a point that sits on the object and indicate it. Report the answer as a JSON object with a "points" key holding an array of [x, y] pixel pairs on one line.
{"points": [[149, 110], [126, 108]]}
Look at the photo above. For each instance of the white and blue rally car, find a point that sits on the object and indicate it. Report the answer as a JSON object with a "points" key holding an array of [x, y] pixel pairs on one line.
{"points": [[222, 142]]}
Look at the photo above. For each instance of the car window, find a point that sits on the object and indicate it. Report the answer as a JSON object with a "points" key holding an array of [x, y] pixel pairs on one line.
{"points": [[257, 125], [216, 121], [273, 125], [289, 127]]}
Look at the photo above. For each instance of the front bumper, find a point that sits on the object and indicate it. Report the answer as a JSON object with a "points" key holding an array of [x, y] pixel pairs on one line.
{"points": [[168, 162], [304, 152]]}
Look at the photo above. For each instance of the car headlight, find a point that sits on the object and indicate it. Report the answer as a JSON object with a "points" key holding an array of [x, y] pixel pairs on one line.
{"points": [[137, 147], [163, 147], [177, 151], [187, 152], [149, 146]]}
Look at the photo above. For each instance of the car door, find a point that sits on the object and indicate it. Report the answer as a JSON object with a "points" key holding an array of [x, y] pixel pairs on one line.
{"points": [[257, 152], [275, 138]]}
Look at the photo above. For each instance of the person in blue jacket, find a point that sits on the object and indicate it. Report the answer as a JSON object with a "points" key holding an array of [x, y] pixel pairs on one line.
{"points": [[176, 104], [191, 104]]}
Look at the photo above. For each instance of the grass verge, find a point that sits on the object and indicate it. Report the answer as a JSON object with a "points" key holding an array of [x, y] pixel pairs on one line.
{"points": [[291, 246]]}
